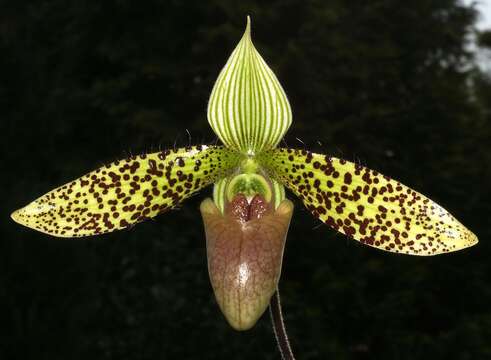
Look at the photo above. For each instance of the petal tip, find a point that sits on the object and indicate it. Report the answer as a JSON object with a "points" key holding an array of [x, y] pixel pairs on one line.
{"points": [[26, 216], [247, 32], [472, 239], [22, 216], [16, 216]]}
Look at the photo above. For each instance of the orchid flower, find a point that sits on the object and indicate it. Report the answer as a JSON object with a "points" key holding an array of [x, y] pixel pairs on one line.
{"points": [[247, 220]]}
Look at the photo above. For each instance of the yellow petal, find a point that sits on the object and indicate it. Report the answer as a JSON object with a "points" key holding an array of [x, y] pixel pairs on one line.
{"points": [[126, 192], [366, 205]]}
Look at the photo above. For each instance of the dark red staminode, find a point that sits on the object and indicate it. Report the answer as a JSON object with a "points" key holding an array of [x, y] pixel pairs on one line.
{"points": [[242, 210]]}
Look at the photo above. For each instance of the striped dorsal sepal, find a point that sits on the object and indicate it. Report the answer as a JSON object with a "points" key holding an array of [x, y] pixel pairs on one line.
{"points": [[126, 191], [366, 205], [248, 109]]}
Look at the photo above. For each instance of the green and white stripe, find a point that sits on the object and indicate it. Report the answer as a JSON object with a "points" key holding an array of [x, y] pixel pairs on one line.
{"points": [[219, 190], [248, 109], [278, 192]]}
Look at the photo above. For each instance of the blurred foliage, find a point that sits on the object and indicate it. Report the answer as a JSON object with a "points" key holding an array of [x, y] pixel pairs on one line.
{"points": [[386, 83], [484, 39]]}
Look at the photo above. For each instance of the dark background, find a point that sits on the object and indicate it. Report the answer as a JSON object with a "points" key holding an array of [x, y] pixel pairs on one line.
{"points": [[392, 84]]}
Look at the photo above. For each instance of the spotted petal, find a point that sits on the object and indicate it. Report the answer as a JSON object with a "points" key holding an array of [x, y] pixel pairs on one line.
{"points": [[366, 205], [126, 192], [248, 109]]}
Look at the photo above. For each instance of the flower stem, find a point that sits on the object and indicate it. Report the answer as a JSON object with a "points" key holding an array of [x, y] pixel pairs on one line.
{"points": [[279, 327]]}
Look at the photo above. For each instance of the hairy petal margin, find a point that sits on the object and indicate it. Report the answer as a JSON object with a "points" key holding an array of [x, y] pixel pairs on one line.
{"points": [[126, 191], [366, 205]]}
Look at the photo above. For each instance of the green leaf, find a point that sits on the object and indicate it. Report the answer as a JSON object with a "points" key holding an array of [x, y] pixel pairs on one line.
{"points": [[126, 192], [367, 205], [248, 109]]}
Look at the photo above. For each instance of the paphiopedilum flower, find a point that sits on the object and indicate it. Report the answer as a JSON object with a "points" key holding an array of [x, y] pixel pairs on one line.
{"points": [[247, 221]]}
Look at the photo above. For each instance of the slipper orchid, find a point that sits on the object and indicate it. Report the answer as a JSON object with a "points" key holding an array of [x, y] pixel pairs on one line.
{"points": [[247, 221]]}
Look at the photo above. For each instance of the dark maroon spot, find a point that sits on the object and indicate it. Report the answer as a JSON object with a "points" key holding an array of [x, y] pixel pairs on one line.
{"points": [[347, 178]]}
